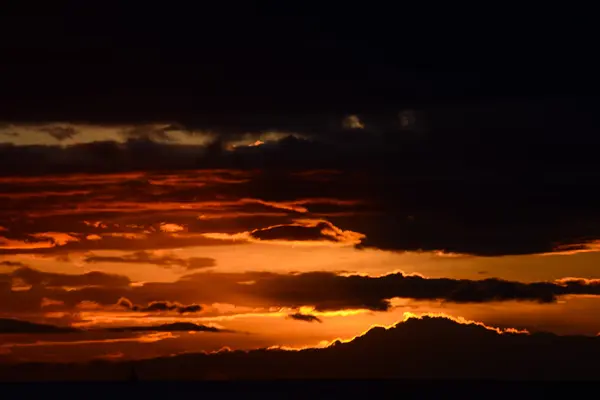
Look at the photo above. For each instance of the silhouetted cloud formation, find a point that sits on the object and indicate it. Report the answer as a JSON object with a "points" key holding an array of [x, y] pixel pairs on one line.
{"points": [[322, 290], [307, 230], [431, 166], [160, 306], [145, 257], [34, 277], [8, 325], [430, 348], [60, 133], [408, 197], [305, 317], [286, 232], [13, 264], [124, 242], [173, 327], [110, 163], [330, 291]]}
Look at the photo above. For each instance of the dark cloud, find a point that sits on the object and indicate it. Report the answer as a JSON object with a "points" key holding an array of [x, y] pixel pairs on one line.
{"points": [[151, 241], [60, 133], [428, 348], [442, 190], [34, 277], [322, 290], [144, 257], [194, 263], [192, 308], [416, 192], [296, 232], [157, 306], [160, 306], [174, 327], [329, 291], [305, 317], [151, 132], [107, 156], [13, 264], [8, 326], [66, 288]]}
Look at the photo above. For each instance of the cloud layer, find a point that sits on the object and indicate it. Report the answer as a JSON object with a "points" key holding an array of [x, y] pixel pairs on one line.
{"points": [[408, 350], [387, 204], [159, 306], [174, 327], [26, 289], [15, 326], [143, 257]]}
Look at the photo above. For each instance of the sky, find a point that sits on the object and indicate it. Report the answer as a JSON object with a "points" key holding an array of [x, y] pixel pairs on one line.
{"points": [[308, 197]]}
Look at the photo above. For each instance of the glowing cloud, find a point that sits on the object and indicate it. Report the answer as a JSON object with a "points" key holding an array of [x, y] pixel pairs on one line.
{"points": [[353, 122]]}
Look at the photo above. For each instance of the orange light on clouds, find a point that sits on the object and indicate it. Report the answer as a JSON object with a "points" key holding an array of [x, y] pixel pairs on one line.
{"points": [[171, 228], [22, 244], [46, 302], [156, 230], [586, 247], [58, 238]]}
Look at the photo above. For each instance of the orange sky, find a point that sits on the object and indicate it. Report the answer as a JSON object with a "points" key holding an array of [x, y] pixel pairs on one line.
{"points": [[152, 236]]}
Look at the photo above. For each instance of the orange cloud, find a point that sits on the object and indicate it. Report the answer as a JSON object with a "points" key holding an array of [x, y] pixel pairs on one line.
{"points": [[578, 281], [56, 238], [308, 230], [66, 193], [101, 205], [570, 249], [42, 240], [71, 178], [46, 302], [95, 224], [88, 305], [171, 228], [301, 232], [23, 244]]}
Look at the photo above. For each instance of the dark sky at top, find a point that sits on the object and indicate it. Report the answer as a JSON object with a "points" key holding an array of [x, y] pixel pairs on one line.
{"points": [[95, 61], [505, 100]]}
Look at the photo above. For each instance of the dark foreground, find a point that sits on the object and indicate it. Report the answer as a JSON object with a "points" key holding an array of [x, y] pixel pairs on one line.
{"points": [[298, 389]]}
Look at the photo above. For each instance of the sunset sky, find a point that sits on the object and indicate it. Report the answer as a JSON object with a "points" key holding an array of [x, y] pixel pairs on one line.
{"points": [[161, 195], [289, 257]]}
